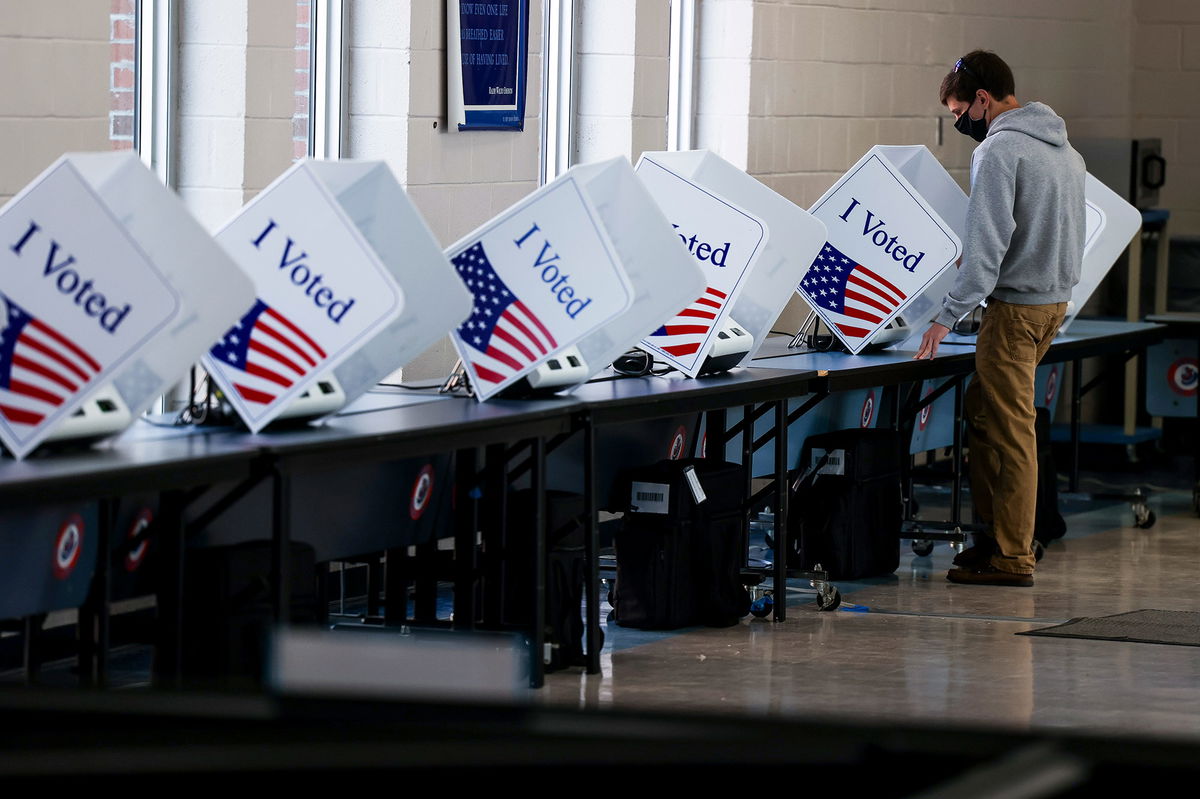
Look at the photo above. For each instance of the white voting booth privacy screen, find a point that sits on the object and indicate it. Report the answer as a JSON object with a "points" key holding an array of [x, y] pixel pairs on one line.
{"points": [[322, 292], [434, 298], [106, 280], [586, 261], [927, 176], [1111, 224], [752, 245], [887, 243], [662, 279]]}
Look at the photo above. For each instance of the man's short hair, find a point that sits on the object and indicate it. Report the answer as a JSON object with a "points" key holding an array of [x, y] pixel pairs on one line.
{"points": [[978, 69]]}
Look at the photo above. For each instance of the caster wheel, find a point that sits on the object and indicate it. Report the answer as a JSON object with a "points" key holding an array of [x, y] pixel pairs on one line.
{"points": [[1039, 550], [828, 598], [922, 549], [762, 607], [1144, 517]]}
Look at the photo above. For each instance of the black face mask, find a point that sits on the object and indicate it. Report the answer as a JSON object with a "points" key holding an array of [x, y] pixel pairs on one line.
{"points": [[975, 128]]}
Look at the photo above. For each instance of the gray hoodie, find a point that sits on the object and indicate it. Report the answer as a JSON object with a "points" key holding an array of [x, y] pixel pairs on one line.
{"points": [[1025, 217]]}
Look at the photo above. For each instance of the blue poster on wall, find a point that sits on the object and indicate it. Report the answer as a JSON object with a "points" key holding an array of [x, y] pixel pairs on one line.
{"points": [[487, 45]]}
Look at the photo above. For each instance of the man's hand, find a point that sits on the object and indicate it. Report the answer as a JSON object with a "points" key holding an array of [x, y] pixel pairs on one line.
{"points": [[930, 341]]}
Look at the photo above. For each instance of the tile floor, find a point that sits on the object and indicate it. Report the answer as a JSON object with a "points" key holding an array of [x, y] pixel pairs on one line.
{"points": [[915, 647]]}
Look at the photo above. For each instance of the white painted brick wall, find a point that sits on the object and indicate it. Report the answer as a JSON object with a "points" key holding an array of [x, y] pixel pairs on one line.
{"points": [[623, 68], [723, 74], [211, 107], [379, 95], [842, 76], [1165, 88]]}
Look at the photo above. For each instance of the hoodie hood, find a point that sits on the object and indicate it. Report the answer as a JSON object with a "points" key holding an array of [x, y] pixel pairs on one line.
{"points": [[1033, 119]]}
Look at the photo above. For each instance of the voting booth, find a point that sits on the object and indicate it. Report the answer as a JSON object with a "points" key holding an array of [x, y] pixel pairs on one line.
{"points": [[1111, 223], [752, 245], [349, 285], [568, 279], [888, 242], [110, 291]]}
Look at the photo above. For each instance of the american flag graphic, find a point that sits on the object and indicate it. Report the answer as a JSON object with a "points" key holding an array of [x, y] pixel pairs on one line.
{"points": [[852, 297], [270, 351], [506, 335], [685, 333], [39, 367]]}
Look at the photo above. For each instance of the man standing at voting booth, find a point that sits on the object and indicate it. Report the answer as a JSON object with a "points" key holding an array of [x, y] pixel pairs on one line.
{"points": [[1022, 254]]}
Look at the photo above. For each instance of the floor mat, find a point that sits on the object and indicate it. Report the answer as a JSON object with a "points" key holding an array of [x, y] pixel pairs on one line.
{"points": [[1180, 627]]}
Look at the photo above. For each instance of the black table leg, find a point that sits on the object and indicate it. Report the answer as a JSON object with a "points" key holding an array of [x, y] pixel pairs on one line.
{"points": [[1076, 408], [748, 447], [31, 653], [591, 548], [493, 506], [281, 546], [397, 581], [465, 547], [781, 511], [538, 482], [94, 615], [376, 587], [1196, 450], [171, 536], [956, 499]]}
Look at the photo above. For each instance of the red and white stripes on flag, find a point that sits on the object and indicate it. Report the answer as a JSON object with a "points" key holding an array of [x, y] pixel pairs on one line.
{"points": [[518, 339], [268, 352], [40, 368], [852, 298], [503, 334], [685, 333]]}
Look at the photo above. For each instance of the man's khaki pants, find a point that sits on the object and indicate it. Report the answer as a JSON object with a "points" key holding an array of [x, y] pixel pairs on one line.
{"points": [[1000, 418]]}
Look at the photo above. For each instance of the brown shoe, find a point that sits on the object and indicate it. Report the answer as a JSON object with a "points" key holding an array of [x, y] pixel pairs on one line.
{"points": [[989, 575], [975, 557]]}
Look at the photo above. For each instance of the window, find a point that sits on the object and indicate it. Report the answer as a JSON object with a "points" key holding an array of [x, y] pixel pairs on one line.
{"points": [[558, 61]]}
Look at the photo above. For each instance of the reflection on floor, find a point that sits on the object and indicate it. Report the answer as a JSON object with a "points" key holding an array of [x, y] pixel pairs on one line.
{"points": [[915, 647]]}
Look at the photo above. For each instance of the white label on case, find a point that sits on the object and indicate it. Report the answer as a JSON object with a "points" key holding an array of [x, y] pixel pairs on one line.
{"points": [[650, 497], [836, 463], [694, 483]]}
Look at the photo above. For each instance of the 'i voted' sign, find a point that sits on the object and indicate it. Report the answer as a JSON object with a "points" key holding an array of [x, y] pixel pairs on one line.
{"points": [[724, 240], [80, 298], [321, 293], [542, 275], [886, 246]]}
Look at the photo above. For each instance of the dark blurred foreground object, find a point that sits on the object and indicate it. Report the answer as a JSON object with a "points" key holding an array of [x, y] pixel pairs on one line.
{"points": [[155, 740]]}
